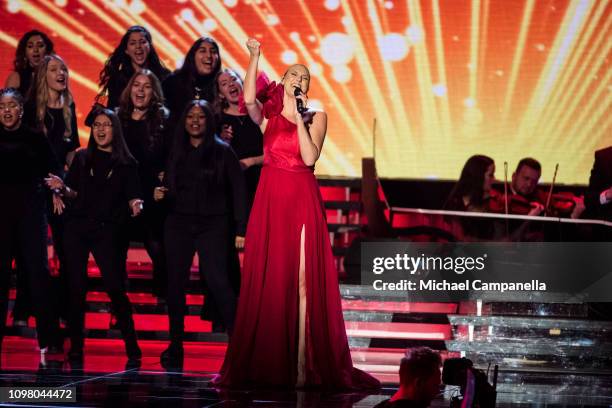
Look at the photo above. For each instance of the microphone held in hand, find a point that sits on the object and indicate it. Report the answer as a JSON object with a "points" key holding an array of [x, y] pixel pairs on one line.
{"points": [[299, 103]]}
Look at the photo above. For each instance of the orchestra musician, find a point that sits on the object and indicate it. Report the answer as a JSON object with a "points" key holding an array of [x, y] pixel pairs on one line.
{"points": [[599, 195], [527, 199]]}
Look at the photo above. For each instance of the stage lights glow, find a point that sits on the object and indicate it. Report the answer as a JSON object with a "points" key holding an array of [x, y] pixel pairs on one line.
{"points": [[444, 79]]}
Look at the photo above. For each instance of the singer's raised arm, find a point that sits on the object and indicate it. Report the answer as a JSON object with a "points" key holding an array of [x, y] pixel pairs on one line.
{"points": [[253, 107]]}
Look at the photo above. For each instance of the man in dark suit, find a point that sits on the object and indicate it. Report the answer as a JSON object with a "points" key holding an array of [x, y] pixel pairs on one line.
{"points": [[599, 205], [599, 196]]}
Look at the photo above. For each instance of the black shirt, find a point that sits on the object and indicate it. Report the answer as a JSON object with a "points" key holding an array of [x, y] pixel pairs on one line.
{"points": [[25, 159], [179, 93], [25, 80], [150, 154], [247, 140], [104, 188], [56, 126], [202, 195]]}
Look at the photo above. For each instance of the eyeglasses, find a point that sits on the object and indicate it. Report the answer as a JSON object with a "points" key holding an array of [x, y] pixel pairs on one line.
{"points": [[10, 105], [98, 125]]}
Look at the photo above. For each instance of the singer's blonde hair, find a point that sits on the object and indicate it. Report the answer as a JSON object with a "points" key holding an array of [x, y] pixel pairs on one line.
{"points": [[39, 92]]}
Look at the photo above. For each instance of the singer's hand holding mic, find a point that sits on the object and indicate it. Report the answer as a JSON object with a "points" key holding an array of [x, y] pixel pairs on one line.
{"points": [[300, 100]]}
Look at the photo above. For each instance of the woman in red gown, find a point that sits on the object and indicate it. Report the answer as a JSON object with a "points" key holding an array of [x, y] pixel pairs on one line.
{"points": [[289, 329]]}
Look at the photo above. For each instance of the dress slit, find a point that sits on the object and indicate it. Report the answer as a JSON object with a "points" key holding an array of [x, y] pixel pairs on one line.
{"points": [[301, 368]]}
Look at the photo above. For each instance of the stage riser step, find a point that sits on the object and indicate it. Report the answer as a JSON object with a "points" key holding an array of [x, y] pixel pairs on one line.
{"points": [[401, 311], [400, 344], [519, 348], [205, 337], [195, 308], [545, 364], [541, 335], [539, 310], [532, 323]]}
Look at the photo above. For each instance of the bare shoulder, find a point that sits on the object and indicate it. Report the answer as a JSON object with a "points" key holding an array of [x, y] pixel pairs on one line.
{"points": [[13, 80]]}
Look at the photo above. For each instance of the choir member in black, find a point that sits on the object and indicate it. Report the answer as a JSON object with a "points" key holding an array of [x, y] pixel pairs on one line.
{"points": [[134, 52], [237, 129], [205, 191], [31, 50], [143, 118], [25, 159], [246, 138], [101, 190], [599, 194], [50, 108], [195, 79]]}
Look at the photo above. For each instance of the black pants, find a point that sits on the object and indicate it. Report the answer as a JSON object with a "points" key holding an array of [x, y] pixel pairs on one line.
{"points": [[82, 236], [183, 236], [23, 229], [22, 308], [148, 229], [210, 310]]}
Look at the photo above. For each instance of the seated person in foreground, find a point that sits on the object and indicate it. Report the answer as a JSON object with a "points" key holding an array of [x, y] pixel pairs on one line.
{"points": [[420, 380]]}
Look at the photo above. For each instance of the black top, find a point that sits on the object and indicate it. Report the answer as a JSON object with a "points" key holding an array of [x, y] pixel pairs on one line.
{"points": [[25, 80], [178, 93], [116, 85], [103, 188], [401, 403], [150, 154], [56, 126], [247, 138], [202, 195], [25, 158]]}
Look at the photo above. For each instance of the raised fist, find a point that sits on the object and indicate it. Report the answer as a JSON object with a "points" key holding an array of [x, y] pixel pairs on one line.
{"points": [[253, 46]]}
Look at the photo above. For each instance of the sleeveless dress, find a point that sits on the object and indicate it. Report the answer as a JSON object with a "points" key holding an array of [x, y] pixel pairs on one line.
{"points": [[263, 349]]}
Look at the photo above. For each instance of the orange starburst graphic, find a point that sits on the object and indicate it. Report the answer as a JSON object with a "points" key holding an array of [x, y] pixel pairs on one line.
{"points": [[443, 79]]}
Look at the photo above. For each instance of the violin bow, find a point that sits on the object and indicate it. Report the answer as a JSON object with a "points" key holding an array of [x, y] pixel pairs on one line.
{"points": [[506, 187], [550, 190], [506, 196]]}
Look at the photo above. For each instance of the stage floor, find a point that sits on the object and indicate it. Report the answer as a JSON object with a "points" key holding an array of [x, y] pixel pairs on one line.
{"points": [[103, 380]]}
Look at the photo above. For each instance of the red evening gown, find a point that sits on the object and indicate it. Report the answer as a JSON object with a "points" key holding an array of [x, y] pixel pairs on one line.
{"points": [[263, 349]]}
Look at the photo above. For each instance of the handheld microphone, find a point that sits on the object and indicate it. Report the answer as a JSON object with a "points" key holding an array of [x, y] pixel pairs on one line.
{"points": [[299, 103]]}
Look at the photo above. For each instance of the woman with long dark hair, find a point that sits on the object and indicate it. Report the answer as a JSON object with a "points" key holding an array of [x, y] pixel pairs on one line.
{"points": [[25, 159], [134, 52], [474, 187], [238, 129], [474, 192], [31, 49], [143, 119], [205, 193], [195, 79], [33, 46], [102, 189]]}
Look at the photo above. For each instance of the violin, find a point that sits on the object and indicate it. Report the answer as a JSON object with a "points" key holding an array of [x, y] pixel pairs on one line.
{"points": [[561, 204], [517, 204], [495, 203]]}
